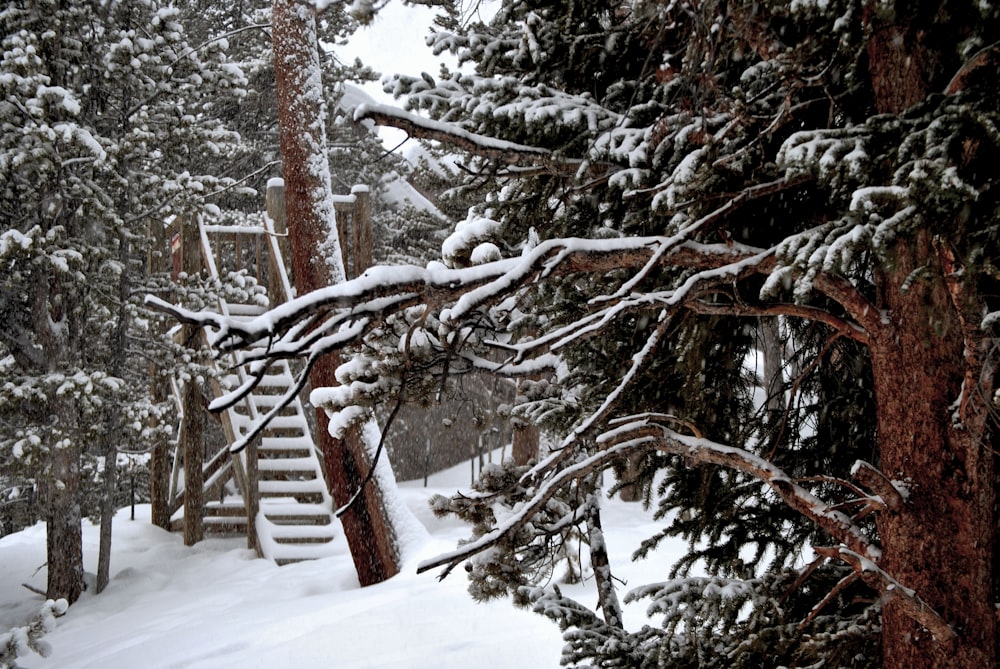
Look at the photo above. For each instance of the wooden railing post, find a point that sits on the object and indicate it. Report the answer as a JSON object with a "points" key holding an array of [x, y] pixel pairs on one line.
{"points": [[344, 235], [251, 494], [362, 228], [275, 202], [192, 430]]}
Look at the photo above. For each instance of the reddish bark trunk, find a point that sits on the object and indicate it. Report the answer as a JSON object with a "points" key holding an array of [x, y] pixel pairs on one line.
{"points": [[941, 542], [366, 523], [313, 244], [524, 448]]}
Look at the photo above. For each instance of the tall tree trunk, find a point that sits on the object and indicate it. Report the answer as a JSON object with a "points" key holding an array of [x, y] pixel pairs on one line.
{"points": [[63, 533], [112, 436], [317, 263], [941, 542], [159, 261], [192, 445]]}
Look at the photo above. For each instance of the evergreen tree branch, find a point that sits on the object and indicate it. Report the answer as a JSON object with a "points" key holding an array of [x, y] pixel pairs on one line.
{"points": [[857, 550], [892, 590]]}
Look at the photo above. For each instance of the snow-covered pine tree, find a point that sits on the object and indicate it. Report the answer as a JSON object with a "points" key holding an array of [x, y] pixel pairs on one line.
{"points": [[687, 167], [106, 109], [357, 155]]}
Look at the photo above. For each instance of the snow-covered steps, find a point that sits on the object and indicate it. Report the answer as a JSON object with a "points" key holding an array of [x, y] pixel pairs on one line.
{"points": [[295, 507], [290, 531], [284, 483]]}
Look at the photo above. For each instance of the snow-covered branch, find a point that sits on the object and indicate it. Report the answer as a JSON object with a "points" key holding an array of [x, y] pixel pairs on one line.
{"points": [[880, 580], [645, 431], [383, 290], [527, 511], [856, 549], [500, 150]]}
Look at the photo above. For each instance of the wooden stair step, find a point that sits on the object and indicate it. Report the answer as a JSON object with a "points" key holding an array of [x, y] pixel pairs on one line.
{"points": [[300, 520], [290, 553], [289, 476], [288, 422], [225, 509], [291, 488], [307, 533], [268, 443], [237, 309], [287, 465]]}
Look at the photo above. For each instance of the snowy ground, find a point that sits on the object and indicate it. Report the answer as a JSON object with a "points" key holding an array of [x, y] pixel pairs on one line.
{"points": [[215, 606]]}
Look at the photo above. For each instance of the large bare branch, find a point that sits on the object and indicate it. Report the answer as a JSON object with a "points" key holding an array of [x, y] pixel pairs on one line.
{"points": [[499, 150], [892, 590], [645, 430], [856, 549], [803, 311]]}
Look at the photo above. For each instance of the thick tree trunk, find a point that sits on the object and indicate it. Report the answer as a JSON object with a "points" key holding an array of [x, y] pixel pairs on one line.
{"points": [[524, 443], [64, 537], [941, 542], [316, 263], [367, 526]]}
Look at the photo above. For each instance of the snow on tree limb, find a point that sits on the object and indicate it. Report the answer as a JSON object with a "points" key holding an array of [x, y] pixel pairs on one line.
{"points": [[856, 549], [645, 431], [481, 145], [880, 580], [391, 289], [342, 315]]}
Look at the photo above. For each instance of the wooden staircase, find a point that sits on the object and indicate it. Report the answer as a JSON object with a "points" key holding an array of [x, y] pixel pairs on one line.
{"points": [[273, 491]]}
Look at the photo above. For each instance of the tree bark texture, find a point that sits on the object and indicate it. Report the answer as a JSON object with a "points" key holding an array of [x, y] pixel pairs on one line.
{"points": [[941, 542], [63, 534], [601, 564], [192, 445], [112, 436], [525, 439], [316, 263]]}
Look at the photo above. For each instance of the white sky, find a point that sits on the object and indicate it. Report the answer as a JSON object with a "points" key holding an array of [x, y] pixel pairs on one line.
{"points": [[395, 44]]}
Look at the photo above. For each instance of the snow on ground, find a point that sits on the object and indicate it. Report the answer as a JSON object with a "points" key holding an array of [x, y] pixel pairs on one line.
{"points": [[215, 605]]}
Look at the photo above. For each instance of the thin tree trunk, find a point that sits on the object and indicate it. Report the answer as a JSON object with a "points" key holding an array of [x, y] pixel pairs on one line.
{"points": [[192, 445], [112, 436], [108, 503], [159, 466], [774, 364], [599, 562], [941, 543], [317, 263]]}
